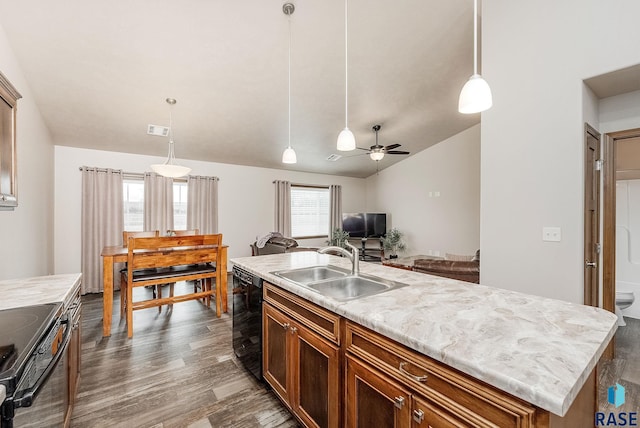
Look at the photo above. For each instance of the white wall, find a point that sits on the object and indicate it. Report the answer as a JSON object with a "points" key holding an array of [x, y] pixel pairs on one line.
{"points": [[245, 198], [407, 192], [26, 233], [535, 56]]}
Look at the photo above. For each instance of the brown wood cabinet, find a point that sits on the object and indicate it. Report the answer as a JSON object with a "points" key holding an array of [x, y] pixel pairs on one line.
{"points": [[299, 361], [333, 372]]}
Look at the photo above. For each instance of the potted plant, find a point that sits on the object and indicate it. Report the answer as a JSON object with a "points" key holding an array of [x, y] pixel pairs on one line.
{"points": [[393, 243], [338, 238]]}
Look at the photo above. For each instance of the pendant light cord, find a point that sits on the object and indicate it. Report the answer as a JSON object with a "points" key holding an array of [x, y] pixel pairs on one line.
{"points": [[346, 67], [475, 36], [289, 18]]}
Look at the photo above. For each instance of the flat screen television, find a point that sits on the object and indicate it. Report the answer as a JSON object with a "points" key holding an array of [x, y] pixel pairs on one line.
{"points": [[354, 224], [365, 225]]}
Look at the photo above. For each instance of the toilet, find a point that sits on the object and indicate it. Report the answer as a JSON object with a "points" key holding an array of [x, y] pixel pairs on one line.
{"points": [[624, 299]]}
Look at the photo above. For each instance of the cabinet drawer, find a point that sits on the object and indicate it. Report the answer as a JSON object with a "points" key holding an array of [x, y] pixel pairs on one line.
{"points": [[321, 321], [437, 382]]}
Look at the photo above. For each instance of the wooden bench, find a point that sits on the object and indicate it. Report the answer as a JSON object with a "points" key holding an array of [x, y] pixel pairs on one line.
{"points": [[165, 260]]}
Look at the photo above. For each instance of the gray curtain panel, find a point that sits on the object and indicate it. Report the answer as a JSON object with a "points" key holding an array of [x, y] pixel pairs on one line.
{"points": [[102, 222], [158, 203], [282, 214], [335, 208], [202, 204]]}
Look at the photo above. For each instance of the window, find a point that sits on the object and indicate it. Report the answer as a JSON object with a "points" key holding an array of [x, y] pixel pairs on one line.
{"points": [[133, 198], [180, 205], [309, 211]]}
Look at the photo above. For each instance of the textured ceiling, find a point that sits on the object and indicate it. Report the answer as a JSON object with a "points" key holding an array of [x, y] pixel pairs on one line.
{"points": [[100, 72]]}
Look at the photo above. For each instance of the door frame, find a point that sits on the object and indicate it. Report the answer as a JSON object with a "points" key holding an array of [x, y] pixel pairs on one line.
{"points": [[592, 194], [609, 221]]}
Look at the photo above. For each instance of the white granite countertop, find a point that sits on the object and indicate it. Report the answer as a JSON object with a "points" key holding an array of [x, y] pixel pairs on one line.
{"points": [[538, 349], [3, 393], [16, 293]]}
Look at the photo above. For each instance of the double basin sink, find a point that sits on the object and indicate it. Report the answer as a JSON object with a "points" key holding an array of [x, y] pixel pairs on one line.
{"points": [[337, 283]]}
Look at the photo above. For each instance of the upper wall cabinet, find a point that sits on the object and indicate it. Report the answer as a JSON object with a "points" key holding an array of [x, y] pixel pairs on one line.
{"points": [[9, 97]]}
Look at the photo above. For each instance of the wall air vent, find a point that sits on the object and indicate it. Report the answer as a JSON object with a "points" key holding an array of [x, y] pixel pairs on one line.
{"points": [[157, 130], [334, 157]]}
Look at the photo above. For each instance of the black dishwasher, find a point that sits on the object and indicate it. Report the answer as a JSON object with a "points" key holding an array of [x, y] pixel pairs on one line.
{"points": [[247, 320]]}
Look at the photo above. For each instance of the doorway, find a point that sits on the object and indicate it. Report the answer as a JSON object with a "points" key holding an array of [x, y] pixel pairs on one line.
{"points": [[621, 188]]}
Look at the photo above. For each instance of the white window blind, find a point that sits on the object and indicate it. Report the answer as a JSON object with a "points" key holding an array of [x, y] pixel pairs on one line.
{"points": [[309, 211]]}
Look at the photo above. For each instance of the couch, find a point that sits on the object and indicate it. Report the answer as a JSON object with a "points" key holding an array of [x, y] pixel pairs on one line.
{"points": [[463, 270], [278, 245]]}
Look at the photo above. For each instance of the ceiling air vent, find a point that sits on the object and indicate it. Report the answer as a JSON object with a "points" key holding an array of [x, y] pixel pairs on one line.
{"points": [[157, 130], [333, 157]]}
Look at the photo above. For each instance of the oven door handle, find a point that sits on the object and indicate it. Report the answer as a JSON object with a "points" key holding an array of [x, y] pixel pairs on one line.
{"points": [[26, 399]]}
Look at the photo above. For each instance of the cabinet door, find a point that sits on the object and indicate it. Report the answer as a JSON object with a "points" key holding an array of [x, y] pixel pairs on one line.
{"points": [[316, 393], [373, 400], [276, 351]]}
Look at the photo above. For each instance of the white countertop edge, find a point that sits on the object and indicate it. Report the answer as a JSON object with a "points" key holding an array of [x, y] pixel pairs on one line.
{"points": [[557, 401], [3, 393]]}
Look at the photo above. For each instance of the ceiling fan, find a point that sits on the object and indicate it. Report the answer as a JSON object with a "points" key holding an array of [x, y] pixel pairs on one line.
{"points": [[377, 151]]}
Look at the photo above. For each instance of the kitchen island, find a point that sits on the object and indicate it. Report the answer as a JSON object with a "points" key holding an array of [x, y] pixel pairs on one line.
{"points": [[540, 350]]}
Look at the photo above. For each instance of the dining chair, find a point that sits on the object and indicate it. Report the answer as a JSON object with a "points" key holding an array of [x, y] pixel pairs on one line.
{"points": [[126, 234], [196, 283]]}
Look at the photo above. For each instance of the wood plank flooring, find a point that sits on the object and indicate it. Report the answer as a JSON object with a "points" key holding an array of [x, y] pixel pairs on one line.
{"points": [[179, 370], [623, 369]]}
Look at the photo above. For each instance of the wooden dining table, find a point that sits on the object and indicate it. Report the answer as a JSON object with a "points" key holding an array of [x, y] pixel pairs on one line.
{"points": [[118, 254]]}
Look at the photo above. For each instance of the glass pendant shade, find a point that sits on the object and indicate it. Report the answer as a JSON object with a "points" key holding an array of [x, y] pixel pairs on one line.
{"points": [[346, 140], [376, 156], [289, 156], [171, 171], [475, 96]]}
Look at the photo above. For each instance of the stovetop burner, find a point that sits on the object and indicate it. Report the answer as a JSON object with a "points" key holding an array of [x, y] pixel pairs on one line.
{"points": [[20, 331]]}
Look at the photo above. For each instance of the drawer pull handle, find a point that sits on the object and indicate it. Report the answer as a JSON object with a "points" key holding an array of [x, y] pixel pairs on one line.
{"points": [[399, 402], [422, 378], [418, 416]]}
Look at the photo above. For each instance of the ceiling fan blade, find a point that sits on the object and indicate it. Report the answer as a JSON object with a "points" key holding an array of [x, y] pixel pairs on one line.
{"points": [[391, 147], [397, 152], [360, 148]]}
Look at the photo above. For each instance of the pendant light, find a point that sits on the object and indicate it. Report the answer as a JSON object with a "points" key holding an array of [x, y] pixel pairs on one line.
{"points": [[169, 168], [289, 155], [346, 139], [475, 96]]}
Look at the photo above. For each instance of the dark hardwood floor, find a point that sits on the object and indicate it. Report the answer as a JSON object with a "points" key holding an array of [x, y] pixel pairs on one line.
{"points": [[623, 369], [178, 370]]}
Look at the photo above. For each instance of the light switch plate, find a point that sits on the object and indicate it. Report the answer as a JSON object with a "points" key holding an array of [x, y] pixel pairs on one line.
{"points": [[552, 234]]}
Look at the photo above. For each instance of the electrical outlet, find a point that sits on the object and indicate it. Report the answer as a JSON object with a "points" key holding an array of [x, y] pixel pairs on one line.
{"points": [[551, 234]]}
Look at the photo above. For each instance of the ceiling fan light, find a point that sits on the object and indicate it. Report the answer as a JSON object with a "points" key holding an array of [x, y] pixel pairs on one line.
{"points": [[376, 156], [289, 156], [346, 140], [170, 170], [475, 96]]}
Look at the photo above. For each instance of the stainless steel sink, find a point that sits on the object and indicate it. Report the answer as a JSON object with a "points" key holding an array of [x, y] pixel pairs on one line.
{"points": [[337, 283], [312, 274]]}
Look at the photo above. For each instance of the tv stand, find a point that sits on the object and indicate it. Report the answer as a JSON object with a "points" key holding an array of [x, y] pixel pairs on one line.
{"points": [[371, 254]]}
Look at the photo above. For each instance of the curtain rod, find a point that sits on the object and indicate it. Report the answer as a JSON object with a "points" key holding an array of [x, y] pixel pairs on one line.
{"points": [[142, 174], [319, 186]]}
